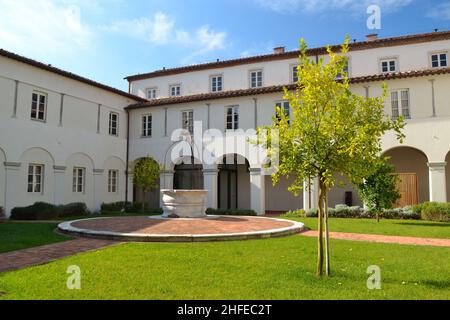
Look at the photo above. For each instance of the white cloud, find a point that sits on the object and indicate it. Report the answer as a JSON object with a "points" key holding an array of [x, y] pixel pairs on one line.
{"points": [[441, 11], [42, 27], [161, 30], [286, 6]]}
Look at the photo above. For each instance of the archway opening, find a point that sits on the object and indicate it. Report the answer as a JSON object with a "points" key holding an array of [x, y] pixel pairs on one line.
{"points": [[411, 165], [234, 182]]}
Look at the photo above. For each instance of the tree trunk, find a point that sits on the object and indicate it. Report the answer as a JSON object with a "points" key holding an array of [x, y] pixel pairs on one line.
{"points": [[320, 230], [327, 236]]}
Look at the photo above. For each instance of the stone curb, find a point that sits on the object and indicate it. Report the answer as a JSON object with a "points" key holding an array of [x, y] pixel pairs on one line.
{"points": [[67, 228]]}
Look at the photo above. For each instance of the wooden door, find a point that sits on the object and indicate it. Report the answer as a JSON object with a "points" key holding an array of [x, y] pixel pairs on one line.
{"points": [[408, 188]]}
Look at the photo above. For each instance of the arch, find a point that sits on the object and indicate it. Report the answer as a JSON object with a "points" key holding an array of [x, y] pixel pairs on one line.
{"points": [[113, 159], [152, 197], [411, 164], [80, 155], [233, 182], [36, 154]]}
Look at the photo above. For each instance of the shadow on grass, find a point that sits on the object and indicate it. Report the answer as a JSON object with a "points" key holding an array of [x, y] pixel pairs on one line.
{"points": [[445, 284], [425, 224]]}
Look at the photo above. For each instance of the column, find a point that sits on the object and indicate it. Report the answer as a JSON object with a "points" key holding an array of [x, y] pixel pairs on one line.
{"points": [[438, 185], [99, 189], [210, 177], [60, 175], [257, 191], [310, 194], [130, 195], [12, 186]]}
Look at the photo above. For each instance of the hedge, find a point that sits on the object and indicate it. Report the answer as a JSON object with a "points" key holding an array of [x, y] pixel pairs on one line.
{"points": [[343, 211], [433, 211], [230, 212], [134, 207], [47, 211], [2, 213]]}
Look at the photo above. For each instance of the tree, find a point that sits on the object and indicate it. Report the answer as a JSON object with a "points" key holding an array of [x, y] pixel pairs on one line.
{"points": [[332, 131], [146, 171], [379, 191]]}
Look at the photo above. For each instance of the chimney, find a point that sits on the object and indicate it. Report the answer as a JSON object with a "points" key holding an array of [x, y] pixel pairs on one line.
{"points": [[372, 37], [279, 50]]}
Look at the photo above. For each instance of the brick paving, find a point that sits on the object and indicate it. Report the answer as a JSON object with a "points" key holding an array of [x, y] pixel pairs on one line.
{"points": [[383, 239], [145, 225], [40, 255]]}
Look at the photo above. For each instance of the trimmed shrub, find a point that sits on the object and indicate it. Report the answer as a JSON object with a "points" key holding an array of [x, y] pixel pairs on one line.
{"points": [[230, 212], [115, 206], [76, 209], [132, 207], [433, 211], [47, 211], [295, 214], [2, 213]]}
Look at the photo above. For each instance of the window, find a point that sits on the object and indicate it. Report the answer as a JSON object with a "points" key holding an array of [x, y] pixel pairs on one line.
{"points": [[285, 106], [152, 93], [439, 60], [256, 79], [175, 90], [112, 181], [346, 71], [232, 118], [113, 124], [294, 74], [400, 103], [187, 120], [147, 125], [35, 177], [388, 65], [38, 106], [216, 83], [78, 180]]}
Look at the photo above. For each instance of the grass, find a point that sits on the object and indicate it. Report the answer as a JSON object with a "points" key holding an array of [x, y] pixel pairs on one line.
{"points": [[17, 235], [407, 228], [280, 268]]}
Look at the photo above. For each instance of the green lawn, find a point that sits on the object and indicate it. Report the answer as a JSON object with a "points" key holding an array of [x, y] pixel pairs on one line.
{"points": [[17, 235], [261, 269], [407, 228]]}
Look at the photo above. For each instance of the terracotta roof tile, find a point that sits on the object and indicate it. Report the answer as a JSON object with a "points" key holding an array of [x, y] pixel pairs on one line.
{"points": [[279, 88], [362, 45], [66, 74]]}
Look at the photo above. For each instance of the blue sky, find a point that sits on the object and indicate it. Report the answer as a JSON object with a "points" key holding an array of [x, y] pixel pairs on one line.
{"points": [[107, 40]]}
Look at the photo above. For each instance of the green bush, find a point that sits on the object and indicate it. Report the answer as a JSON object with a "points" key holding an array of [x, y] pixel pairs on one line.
{"points": [[47, 211], [230, 212], [295, 214], [133, 207], [433, 211], [2, 213]]}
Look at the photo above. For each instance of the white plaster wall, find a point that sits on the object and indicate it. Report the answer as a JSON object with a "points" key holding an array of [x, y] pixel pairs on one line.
{"points": [[77, 135], [278, 72], [2, 178]]}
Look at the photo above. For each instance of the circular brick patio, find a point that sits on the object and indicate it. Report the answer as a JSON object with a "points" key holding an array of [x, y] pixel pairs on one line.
{"points": [[157, 229]]}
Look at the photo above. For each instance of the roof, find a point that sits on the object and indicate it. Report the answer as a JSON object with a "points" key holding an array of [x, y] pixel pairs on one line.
{"points": [[362, 45], [66, 74], [280, 88]]}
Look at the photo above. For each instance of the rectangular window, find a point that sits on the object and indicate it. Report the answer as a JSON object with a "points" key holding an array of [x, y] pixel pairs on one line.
{"points": [[38, 106], [295, 74], [256, 79], [400, 103], [113, 124], [35, 178], [216, 83], [284, 106], [187, 119], [232, 118], [152, 93], [113, 176], [439, 60], [388, 66], [78, 180], [147, 125], [175, 90]]}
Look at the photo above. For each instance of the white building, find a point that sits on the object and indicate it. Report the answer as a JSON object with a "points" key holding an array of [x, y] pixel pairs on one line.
{"points": [[223, 95], [63, 138]]}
